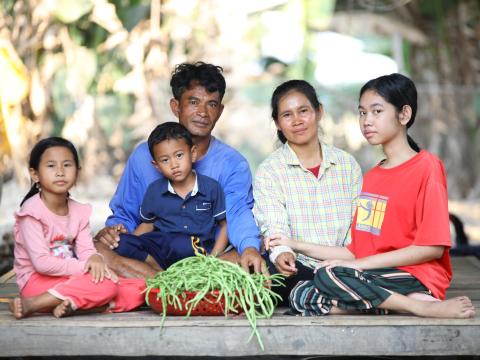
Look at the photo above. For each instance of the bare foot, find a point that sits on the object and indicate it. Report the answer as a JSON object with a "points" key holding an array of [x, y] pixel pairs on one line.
{"points": [[422, 297], [16, 308], [125, 267], [231, 256], [458, 308], [153, 263], [339, 311], [63, 309]]}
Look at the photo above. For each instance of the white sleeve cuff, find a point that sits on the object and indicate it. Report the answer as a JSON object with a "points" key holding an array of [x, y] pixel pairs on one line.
{"points": [[277, 250]]}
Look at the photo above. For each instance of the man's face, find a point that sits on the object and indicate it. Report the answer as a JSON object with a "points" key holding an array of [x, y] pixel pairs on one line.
{"points": [[198, 110]]}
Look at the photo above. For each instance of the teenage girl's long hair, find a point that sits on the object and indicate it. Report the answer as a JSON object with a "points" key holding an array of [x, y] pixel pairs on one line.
{"points": [[399, 91], [36, 156]]}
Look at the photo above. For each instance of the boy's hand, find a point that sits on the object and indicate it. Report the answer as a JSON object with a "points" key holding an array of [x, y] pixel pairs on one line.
{"points": [[109, 235], [96, 267]]}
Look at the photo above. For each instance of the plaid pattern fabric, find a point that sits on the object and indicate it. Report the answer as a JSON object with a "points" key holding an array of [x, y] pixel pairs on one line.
{"points": [[290, 200], [351, 289]]}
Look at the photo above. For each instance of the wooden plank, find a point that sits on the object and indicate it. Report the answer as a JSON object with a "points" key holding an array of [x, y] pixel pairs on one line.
{"points": [[7, 277], [139, 334]]}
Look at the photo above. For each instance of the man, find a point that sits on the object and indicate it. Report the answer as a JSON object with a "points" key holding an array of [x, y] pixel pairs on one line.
{"points": [[198, 91]]}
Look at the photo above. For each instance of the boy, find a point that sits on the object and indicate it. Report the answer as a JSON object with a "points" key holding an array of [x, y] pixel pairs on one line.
{"points": [[180, 211]]}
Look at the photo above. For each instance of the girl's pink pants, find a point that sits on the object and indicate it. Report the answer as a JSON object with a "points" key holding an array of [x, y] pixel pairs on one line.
{"points": [[84, 294]]}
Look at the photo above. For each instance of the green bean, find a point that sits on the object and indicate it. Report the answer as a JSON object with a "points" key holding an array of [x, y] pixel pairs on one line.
{"points": [[201, 274]]}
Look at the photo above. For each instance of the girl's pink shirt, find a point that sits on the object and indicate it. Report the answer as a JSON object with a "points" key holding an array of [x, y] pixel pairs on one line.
{"points": [[51, 244]]}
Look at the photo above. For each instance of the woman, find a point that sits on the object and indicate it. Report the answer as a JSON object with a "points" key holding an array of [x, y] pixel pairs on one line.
{"points": [[306, 189]]}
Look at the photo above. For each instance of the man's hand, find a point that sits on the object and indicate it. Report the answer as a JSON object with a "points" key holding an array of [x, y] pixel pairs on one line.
{"points": [[251, 258], [109, 236], [285, 264]]}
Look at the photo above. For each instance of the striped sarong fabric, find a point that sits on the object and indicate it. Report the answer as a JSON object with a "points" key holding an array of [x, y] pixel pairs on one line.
{"points": [[351, 289]]}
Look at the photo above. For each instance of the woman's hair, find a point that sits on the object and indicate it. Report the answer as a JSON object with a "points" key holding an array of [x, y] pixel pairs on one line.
{"points": [[399, 91], [36, 156], [300, 86]]}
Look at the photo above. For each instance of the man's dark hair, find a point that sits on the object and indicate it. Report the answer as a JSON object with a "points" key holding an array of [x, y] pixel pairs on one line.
{"points": [[207, 75], [167, 131]]}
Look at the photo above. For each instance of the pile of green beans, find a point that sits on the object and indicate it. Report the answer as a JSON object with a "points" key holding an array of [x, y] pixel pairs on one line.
{"points": [[203, 274]]}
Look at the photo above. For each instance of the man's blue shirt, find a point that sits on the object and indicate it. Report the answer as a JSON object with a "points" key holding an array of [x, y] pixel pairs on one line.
{"points": [[221, 163], [195, 215]]}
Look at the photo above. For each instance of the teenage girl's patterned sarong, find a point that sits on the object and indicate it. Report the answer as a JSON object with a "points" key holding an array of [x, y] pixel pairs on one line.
{"points": [[351, 289]]}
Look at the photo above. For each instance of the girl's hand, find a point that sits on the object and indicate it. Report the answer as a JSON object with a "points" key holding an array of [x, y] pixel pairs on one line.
{"points": [[278, 239], [332, 263], [97, 268]]}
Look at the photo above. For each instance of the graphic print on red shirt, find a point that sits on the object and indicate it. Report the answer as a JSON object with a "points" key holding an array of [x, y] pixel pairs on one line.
{"points": [[403, 206]]}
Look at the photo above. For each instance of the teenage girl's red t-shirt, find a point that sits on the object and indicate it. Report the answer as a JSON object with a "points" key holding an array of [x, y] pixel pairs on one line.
{"points": [[402, 206]]}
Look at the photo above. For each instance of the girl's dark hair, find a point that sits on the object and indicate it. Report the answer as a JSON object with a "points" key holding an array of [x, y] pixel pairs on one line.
{"points": [[167, 131], [300, 86], [399, 91], [36, 156]]}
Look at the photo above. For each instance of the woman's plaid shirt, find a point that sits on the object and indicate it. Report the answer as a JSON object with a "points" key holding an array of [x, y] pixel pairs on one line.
{"points": [[290, 200]]}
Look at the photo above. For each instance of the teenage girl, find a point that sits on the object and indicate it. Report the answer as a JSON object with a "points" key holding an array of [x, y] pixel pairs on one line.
{"points": [[400, 233], [57, 267]]}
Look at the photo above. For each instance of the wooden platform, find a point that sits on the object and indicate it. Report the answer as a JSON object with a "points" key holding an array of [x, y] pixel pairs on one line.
{"points": [[139, 334]]}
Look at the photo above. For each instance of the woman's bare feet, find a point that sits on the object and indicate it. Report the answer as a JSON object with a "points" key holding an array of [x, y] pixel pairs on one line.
{"points": [[458, 308], [338, 311], [63, 309]]}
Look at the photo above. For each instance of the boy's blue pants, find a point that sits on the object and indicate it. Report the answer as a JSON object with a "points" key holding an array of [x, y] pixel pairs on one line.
{"points": [[165, 248]]}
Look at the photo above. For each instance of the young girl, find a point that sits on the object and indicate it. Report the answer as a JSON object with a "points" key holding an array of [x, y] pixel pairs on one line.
{"points": [[400, 233], [57, 267]]}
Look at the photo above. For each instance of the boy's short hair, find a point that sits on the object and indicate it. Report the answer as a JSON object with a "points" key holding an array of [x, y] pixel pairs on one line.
{"points": [[167, 131]]}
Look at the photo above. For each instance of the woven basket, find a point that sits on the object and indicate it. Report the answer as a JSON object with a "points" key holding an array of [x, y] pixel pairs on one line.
{"points": [[210, 305]]}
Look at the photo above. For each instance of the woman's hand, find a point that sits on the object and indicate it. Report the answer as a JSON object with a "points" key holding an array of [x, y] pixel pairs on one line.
{"points": [[97, 268], [285, 264], [336, 262], [278, 239]]}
